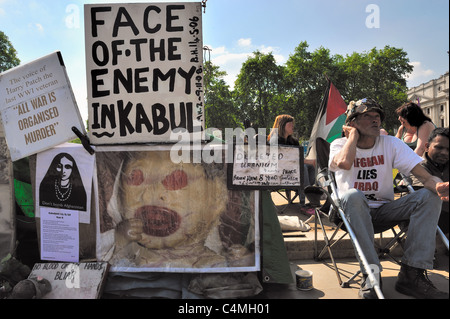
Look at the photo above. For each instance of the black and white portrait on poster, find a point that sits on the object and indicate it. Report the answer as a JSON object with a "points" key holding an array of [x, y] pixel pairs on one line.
{"points": [[64, 179]]}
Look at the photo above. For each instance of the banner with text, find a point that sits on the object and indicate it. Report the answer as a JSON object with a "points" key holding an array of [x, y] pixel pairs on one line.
{"points": [[37, 106], [144, 68]]}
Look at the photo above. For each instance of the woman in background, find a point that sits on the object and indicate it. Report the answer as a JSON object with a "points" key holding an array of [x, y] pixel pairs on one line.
{"points": [[415, 127], [283, 129]]}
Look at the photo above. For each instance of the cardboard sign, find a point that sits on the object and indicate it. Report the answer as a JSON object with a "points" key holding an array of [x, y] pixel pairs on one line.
{"points": [[37, 106], [72, 280], [266, 167], [144, 72]]}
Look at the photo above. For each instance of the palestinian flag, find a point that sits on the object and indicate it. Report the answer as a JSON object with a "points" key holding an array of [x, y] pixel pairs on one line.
{"points": [[330, 119]]}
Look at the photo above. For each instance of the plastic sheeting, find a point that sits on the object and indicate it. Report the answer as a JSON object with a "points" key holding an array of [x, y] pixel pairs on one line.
{"points": [[156, 214]]}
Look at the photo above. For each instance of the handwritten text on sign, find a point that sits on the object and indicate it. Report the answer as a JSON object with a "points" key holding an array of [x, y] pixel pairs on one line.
{"points": [[37, 106], [72, 280], [144, 70], [266, 167]]}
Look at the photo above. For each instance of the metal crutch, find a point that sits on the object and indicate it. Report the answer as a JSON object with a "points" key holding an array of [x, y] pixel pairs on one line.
{"points": [[372, 279]]}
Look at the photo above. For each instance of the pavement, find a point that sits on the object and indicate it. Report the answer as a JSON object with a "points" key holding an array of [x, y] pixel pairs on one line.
{"points": [[300, 249]]}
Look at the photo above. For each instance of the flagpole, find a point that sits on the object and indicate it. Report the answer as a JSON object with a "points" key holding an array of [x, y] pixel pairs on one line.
{"points": [[322, 107]]}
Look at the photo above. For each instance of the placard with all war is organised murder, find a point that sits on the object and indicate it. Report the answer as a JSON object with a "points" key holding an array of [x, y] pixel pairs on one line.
{"points": [[144, 72], [37, 106]]}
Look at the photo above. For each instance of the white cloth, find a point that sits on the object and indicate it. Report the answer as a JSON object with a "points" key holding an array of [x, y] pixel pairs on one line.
{"points": [[293, 223]]}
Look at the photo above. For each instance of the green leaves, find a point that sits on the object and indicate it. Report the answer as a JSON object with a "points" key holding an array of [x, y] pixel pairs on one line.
{"points": [[264, 89], [8, 55]]}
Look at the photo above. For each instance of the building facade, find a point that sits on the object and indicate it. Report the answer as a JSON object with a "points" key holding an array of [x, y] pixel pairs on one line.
{"points": [[433, 98]]}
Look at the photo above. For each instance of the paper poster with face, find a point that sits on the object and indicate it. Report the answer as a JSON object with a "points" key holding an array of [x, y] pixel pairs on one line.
{"points": [[157, 214], [64, 179]]}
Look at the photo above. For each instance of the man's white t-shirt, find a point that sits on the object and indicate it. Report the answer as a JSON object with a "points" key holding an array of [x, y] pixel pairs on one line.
{"points": [[372, 170]]}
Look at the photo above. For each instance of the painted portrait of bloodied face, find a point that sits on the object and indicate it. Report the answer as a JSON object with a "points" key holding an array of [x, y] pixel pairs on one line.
{"points": [[172, 216]]}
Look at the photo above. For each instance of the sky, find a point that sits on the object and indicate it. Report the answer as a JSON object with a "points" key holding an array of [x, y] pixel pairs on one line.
{"points": [[234, 29]]}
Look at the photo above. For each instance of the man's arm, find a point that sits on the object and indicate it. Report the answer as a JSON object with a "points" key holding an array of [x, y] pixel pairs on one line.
{"points": [[346, 156], [433, 183]]}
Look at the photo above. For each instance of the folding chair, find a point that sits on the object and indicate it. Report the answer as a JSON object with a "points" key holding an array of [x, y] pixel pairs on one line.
{"points": [[287, 195], [324, 198]]}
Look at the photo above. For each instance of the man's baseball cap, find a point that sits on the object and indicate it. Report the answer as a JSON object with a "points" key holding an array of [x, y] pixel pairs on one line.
{"points": [[363, 106]]}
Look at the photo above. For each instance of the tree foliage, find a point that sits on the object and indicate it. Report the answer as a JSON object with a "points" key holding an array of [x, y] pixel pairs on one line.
{"points": [[264, 89], [258, 89], [8, 55], [219, 106]]}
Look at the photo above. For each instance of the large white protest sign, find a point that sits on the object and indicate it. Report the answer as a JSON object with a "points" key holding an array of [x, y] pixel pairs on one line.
{"points": [[37, 106], [144, 72]]}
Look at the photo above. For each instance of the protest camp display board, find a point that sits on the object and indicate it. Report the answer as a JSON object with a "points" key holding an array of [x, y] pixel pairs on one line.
{"points": [[63, 192], [144, 68], [37, 106], [72, 280], [62, 246], [157, 213], [7, 216], [267, 167], [64, 179]]}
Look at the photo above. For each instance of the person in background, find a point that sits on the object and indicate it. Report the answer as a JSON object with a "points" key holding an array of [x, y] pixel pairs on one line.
{"points": [[283, 130], [415, 127], [436, 163]]}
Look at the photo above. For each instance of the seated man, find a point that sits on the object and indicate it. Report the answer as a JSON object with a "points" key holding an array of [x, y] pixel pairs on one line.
{"points": [[363, 162], [436, 163]]}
